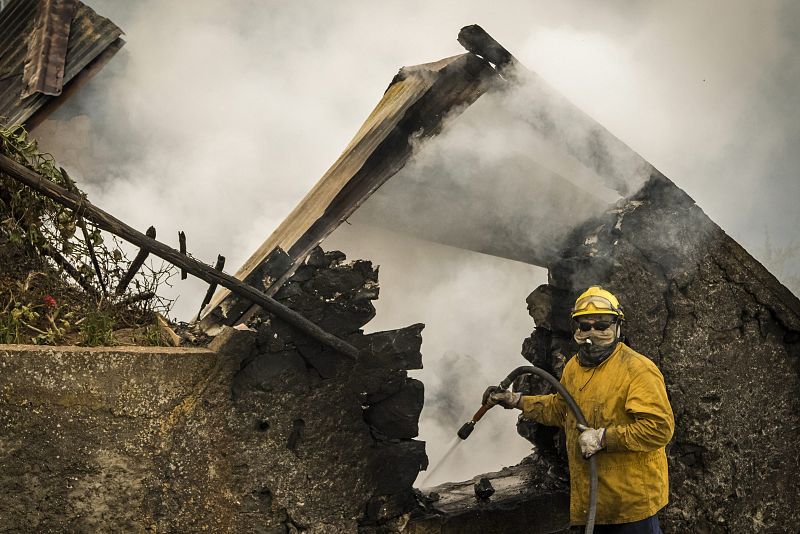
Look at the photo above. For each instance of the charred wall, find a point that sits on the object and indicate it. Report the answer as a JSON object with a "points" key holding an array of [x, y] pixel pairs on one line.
{"points": [[269, 432], [724, 333]]}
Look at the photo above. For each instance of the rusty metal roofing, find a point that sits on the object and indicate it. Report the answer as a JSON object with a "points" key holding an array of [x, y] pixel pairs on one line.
{"points": [[47, 48], [89, 37]]}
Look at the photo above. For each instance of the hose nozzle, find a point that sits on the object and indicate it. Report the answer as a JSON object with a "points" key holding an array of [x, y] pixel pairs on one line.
{"points": [[469, 426], [466, 430]]}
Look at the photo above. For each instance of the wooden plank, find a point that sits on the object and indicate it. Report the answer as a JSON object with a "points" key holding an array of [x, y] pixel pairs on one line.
{"points": [[413, 107], [182, 249], [111, 224]]}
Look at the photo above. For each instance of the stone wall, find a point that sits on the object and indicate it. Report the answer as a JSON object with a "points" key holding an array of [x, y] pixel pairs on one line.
{"points": [[267, 432], [724, 333]]}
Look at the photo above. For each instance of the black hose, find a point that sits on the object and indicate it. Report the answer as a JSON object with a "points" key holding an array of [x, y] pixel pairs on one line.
{"points": [[531, 370]]}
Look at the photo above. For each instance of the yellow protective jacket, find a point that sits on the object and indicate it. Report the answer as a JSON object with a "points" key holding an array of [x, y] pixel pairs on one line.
{"points": [[626, 396]]}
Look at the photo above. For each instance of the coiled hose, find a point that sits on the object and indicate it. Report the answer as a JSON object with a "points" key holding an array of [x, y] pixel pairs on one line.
{"points": [[531, 370]]}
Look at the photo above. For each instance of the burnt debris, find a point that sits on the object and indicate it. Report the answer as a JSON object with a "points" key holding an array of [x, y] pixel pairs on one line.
{"points": [[483, 489], [350, 424]]}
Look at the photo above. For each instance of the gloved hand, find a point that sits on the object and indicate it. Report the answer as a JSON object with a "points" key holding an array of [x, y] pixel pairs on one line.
{"points": [[505, 398], [591, 440]]}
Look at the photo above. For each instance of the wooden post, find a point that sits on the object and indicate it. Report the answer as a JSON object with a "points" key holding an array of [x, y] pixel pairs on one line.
{"points": [[204, 272], [182, 245], [213, 287], [136, 264]]}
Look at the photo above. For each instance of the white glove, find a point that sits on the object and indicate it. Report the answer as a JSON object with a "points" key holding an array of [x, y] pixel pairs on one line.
{"points": [[505, 398], [591, 440]]}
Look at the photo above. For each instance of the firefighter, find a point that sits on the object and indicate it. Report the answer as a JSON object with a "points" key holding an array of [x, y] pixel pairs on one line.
{"points": [[622, 395]]}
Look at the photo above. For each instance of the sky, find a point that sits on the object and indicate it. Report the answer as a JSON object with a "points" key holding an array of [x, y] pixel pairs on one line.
{"points": [[216, 119]]}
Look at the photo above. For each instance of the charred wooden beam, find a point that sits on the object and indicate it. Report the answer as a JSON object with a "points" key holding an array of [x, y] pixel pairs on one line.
{"points": [[182, 245], [68, 268], [136, 264], [413, 108], [213, 287], [111, 224], [87, 238], [476, 40]]}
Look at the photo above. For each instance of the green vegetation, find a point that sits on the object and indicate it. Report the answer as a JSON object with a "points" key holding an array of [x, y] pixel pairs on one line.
{"points": [[51, 289], [97, 329]]}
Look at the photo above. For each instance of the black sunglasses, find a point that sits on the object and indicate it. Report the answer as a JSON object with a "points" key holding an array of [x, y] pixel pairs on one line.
{"points": [[585, 326]]}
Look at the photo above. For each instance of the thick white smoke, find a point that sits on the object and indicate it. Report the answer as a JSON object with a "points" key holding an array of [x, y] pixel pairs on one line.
{"points": [[216, 119]]}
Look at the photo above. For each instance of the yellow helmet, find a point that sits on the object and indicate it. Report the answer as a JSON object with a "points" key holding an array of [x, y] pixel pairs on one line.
{"points": [[597, 300]]}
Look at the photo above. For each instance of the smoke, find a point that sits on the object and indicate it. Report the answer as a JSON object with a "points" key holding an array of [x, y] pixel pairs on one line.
{"points": [[216, 120], [499, 180], [715, 111], [474, 310], [495, 180]]}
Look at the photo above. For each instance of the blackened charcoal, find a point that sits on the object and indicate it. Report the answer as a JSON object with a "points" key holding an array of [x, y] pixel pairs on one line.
{"points": [[398, 415], [484, 489]]}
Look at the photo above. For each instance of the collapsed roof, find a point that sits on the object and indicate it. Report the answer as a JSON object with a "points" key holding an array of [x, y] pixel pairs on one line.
{"points": [[48, 49], [378, 178]]}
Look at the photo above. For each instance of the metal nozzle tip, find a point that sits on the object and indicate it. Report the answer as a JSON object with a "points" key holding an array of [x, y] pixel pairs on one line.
{"points": [[466, 430]]}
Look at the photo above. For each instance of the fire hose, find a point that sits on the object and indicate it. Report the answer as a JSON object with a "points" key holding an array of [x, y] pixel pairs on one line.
{"points": [[469, 426]]}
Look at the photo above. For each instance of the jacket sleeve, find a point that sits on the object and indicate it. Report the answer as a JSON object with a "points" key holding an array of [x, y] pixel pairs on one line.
{"points": [[649, 406], [550, 410]]}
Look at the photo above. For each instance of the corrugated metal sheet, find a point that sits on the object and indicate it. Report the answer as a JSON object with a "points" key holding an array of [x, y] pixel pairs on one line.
{"points": [[47, 48], [89, 36]]}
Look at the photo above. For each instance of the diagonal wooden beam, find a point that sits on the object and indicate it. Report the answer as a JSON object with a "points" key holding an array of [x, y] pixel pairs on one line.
{"points": [[414, 107]]}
